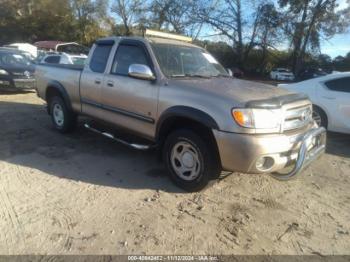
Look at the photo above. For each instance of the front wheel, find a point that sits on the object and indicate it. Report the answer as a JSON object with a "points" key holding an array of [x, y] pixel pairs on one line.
{"points": [[319, 117], [188, 158], [63, 119]]}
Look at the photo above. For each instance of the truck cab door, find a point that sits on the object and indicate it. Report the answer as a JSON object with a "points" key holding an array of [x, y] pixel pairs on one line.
{"points": [[130, 102], [335, 96], [93, 77]]}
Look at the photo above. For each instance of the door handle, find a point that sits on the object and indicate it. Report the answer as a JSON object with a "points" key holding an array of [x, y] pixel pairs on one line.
{"points": [[110, 83], [97, 81]]}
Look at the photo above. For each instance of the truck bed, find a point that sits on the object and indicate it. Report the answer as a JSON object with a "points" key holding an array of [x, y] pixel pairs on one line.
{"points": [[65, 76]]}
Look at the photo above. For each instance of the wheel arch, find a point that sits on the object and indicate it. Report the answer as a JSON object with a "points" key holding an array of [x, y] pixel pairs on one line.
{"points": [[186, 117], [323, 111], [54, 88], [186, 114]]}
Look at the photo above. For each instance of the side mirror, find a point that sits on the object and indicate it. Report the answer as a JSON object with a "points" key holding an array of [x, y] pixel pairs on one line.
{"points": [[141, 72]]}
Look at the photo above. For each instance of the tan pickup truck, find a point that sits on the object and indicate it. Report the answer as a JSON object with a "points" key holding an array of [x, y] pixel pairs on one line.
{"points": [[175, 96]]}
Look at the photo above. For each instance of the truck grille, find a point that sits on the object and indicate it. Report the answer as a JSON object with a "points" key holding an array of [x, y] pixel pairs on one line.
{"points": [[297, 116]]}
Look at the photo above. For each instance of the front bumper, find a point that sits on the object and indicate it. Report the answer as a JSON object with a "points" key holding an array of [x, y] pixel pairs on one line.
{"points": [[243, 152], [17, 83]]}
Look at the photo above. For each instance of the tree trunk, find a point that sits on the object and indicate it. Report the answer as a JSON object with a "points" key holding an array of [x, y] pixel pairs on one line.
{"points": [[298, 38], [309, 30], [239, 32]]}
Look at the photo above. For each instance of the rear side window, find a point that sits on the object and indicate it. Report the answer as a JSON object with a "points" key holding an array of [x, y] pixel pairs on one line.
{"points": [[52, 59], [340, 84], [127, 55], [99, 58]]}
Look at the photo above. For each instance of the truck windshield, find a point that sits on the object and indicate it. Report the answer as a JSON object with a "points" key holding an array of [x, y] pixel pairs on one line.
{"points": [[185, 61]]}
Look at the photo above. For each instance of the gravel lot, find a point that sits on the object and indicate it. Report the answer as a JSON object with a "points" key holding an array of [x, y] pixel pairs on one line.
{"points": [[84, 194]]}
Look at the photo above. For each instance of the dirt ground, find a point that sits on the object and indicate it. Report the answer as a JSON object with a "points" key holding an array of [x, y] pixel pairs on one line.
{"points": [[84, 194]]}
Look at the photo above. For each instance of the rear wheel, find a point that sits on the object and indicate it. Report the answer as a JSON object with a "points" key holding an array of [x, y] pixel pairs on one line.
{"points": [[63, 119], [189, 161]]}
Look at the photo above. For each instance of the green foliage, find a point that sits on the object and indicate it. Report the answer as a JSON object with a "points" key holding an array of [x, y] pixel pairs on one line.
{"points": [[65, 20], [250, 42], [341, 63]]}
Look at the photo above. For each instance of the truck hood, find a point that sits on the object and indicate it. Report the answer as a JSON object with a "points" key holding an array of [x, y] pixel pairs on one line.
{"points": [[238, 90]]}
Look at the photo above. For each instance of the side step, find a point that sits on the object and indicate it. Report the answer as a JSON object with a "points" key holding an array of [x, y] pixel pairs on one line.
{"points": [[124, 142]]}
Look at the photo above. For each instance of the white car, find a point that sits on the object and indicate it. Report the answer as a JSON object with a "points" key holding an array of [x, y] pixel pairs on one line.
{"points": [[330, 96], [64, 58], [282, 74]]}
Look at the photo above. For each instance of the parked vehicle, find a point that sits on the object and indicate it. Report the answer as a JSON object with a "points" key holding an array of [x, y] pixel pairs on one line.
{"points": [[16, 71], [236, 72], [25, 47], [283, 74], [311, 73], [59, 46], [26, 54], [179, 99], [63, 58], [330, 96]]}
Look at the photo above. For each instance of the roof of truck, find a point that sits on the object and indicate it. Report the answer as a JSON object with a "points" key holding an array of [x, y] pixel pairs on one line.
{"points": [[157, 40]]}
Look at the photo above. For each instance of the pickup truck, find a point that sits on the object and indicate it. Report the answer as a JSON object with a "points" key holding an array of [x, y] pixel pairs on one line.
{"points": [[175, 96]]}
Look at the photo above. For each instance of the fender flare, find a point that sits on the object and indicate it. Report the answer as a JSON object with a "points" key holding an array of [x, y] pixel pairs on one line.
{"points": [[61, 90], [186, 112]]}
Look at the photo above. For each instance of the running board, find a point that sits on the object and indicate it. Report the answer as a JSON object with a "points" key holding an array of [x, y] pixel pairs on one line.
{"points": [[111, 136]]}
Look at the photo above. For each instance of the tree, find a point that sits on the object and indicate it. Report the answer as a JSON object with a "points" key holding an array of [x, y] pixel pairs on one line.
{"points": [[307, 21], [175, 16], [225, 16], [129, 12], [268, 24], [33, 20], [342, 63], [90, 15]]}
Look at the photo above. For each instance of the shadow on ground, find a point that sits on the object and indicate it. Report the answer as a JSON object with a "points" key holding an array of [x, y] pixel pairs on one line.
{"points": [[338, 144], [28, 139], [15, 91]]}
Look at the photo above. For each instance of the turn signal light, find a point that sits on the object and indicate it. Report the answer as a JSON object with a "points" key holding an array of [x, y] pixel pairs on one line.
{"points": [[239, 117]]}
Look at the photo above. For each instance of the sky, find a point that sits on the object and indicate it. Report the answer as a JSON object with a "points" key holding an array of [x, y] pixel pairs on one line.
{"points": [[337, 45]]}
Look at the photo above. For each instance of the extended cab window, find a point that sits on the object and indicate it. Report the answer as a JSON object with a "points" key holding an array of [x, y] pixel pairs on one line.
{"points": [[52, 59], [99, 58], [340, 84], [127, 55]]}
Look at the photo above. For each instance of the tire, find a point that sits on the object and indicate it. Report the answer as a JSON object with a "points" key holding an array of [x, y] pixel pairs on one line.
{"points": [[319, 116], [189, 160], [63, 119]]}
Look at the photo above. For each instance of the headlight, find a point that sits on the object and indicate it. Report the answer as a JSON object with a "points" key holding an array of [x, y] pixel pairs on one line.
{"points": [[3, 72], [258, 118]]}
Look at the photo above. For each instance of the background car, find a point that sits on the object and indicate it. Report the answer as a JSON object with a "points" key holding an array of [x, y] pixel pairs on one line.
{"points": [[16, 71], [311, 73], [330, 96], [25, 47], [63, 58], [282, 74], [26, 54], [236, 72]]}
